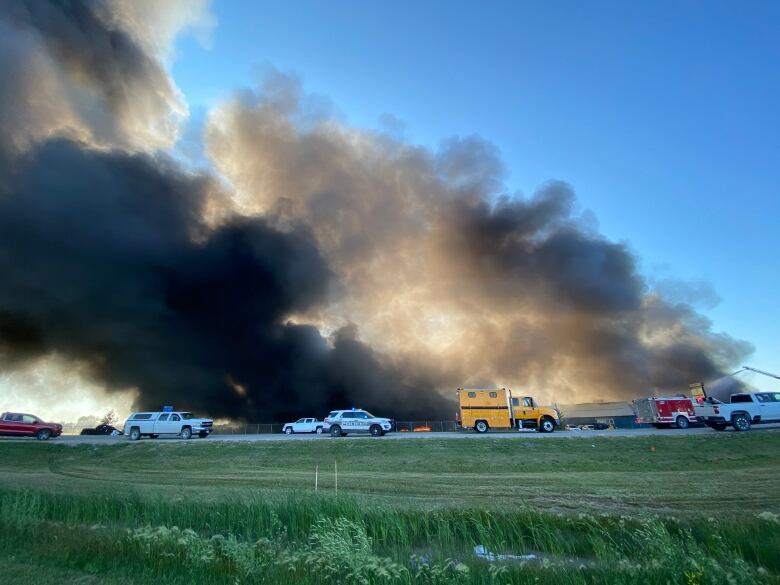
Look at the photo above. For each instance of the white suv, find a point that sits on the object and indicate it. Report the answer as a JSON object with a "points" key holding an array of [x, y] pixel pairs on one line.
{"points": [[178, 424], [343, 422]]}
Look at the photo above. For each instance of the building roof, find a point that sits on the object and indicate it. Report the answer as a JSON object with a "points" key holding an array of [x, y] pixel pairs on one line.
{"points": [[596, 409]]}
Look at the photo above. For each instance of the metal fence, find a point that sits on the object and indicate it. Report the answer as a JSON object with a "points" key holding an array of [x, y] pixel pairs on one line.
{"points": [[420, 426]]}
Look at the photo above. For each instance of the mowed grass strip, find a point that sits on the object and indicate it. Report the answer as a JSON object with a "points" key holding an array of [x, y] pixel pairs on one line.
{"points": [[652, 510], [714, 473]]}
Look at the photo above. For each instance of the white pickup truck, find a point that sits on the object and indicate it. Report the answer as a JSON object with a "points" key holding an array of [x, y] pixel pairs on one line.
{"points": [[177, 424], [304, 425], [742, 411]]}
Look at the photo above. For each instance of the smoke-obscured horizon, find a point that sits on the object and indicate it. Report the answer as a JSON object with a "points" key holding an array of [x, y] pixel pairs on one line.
{"points": [[320, 265]]}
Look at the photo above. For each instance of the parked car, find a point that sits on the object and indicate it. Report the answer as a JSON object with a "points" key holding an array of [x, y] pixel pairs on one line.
{"points": [[15, 424], [176, 424], [304, 425], [102, 430], [343, 422]]}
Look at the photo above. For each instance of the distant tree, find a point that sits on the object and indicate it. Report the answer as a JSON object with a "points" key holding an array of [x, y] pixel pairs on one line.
{"points": [[110, 418], [87, 421]]}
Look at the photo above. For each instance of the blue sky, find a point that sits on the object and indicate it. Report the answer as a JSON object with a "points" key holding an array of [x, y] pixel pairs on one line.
{"points": [[663, 116]]}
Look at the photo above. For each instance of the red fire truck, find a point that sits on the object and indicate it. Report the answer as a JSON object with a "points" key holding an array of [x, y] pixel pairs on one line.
{"points": [[664, 411]]}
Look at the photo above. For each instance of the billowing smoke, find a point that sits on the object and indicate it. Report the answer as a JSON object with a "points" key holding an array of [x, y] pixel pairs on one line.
{"points": [[338, 266], [440, 262], [108, 261], [78, 68]]}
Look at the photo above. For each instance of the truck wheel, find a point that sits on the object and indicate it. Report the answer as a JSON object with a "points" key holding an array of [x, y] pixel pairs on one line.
{"points": [[288, 431], [375, 430], [718, 426], [547, 425], [319, 430], [135, 434], [43, 435], [682, 422], [481, 426], [741, 422], [335, 431], [186, 433]]}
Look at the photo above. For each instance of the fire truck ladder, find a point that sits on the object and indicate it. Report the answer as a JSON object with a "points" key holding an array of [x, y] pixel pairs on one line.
{"points": [[770, 374]]}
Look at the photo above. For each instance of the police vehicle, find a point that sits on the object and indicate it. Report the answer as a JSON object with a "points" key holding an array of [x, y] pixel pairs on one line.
{"points": [[355, 420]]}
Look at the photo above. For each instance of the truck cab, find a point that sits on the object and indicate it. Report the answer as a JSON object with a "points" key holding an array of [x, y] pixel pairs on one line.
{"points": [[482, 409], [525, 410]]}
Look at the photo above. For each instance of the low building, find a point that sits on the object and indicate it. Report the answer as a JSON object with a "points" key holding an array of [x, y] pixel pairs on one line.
{"points": [[602, 414]]}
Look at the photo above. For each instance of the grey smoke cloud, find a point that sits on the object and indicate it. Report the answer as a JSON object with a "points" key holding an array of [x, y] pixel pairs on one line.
{"points": [[438, 261], [77, 69]]}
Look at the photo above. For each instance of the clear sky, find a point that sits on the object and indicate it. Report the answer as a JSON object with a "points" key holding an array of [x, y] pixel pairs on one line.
{"points": [[662, 115]]}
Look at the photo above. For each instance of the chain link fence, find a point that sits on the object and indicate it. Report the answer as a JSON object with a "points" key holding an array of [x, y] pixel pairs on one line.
{"points": [[419, 426]]}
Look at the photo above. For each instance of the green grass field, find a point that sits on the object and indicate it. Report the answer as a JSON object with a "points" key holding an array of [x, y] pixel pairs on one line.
{"points": [[659, 509]]}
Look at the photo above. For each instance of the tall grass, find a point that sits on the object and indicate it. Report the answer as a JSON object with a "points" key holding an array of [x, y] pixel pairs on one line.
{"points": [[306, 539]]}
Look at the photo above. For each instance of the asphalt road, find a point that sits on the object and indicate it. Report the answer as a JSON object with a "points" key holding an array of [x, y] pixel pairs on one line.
{"points": [[529, 434]]}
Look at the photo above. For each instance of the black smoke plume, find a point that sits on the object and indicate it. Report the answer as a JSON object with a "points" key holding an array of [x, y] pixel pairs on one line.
{"points": [[106, 260]]}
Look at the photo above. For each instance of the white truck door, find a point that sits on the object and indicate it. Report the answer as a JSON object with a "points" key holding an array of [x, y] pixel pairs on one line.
{"points": [[299, 426], [769, 405], [175, 423], [163, 425]]}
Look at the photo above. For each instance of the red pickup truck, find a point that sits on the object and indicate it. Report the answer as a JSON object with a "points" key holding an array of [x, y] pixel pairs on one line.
{"points": [[15, 424]]}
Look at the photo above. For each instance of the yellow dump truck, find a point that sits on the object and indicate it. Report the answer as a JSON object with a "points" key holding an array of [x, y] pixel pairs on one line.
{"points": [[496, 408]]}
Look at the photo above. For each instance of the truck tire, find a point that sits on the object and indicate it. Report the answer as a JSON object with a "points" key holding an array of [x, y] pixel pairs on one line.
{"points": [[546, 425], [741, 422], [375, 430], [681, 422], [319, 430], [186, 433], [481, 426], [718, 426], [43, 435], [288, 431], [135, 434], [335, 431]]}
